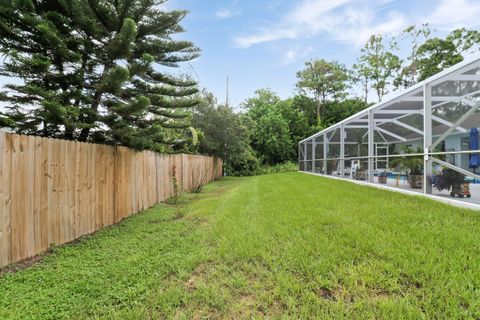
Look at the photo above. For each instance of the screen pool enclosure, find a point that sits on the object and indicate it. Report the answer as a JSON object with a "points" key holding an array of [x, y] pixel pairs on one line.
{"points": [[425, 139]]}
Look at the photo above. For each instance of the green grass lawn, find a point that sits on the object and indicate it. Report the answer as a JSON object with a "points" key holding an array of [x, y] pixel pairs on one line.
{"points": [[275, 246]]}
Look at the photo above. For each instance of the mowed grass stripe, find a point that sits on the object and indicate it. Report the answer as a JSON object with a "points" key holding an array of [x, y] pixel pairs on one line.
{"points": [[275, 246]]}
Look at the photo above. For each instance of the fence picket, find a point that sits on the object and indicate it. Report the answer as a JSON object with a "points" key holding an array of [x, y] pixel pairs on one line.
{"points": [[54, 191], [5, 178]]}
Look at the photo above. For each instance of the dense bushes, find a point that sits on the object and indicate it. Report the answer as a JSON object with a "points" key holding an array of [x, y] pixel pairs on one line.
{"points": [[288, 166], [251, 169], [225, 134], [243, 164]]}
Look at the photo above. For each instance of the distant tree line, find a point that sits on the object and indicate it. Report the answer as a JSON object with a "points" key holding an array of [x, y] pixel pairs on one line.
{"points": [[266, 131]]}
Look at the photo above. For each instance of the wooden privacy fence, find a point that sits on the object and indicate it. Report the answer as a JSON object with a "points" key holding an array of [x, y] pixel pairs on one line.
{"points": [[54, 191]]}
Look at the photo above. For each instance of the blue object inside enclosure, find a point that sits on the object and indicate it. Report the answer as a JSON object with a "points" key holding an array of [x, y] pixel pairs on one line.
{"points": [[474, 160], [402, 177]]}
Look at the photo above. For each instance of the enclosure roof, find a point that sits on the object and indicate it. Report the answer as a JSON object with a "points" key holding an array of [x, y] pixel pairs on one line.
{"points": [[459, 84]]}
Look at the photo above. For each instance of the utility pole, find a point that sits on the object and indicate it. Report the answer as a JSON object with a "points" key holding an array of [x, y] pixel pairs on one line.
{"points": [[226, 102], [225, 153]]}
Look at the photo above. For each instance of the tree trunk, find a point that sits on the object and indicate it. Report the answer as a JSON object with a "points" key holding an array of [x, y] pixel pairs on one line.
{"points": [[68, 133], [45, 130], [86, 131], [96, 102], [319, 112], [366, 91]]}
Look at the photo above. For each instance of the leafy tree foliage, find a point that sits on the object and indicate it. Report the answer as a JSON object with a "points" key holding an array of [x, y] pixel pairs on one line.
{"points": [[437, 54], [271, 138], [339, 110], [323, 80], [261, 103], [408, 75], [224, 134], [307, 106], [277, 126], [378, 65], [361, 74], [297, 122], [335, 111], [96, 71]]}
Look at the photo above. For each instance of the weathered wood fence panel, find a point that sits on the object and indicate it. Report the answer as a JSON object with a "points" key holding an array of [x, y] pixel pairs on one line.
{"points": [[55, 191]]}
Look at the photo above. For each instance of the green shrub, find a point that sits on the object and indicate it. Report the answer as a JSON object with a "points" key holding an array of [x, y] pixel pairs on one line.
{"points": [[243, 163], [288, 166]]}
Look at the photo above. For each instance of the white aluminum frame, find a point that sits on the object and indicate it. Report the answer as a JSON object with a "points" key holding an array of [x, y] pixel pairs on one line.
{"points": [[400, 106]]}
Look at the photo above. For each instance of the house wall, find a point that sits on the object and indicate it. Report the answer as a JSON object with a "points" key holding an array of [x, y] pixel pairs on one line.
{"points": [[452, 143]]}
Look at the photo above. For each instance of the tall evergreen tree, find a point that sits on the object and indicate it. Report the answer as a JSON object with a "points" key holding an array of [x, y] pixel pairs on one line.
{"points": [[96, 70]]}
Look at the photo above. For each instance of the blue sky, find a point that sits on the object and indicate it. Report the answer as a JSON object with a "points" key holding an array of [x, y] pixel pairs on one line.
{"points": [[263, 43]]}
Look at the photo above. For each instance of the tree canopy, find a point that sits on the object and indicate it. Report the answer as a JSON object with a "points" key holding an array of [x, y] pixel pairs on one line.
{"points": [[323, 80], [437, 54], [378, 65], [224, 134], [96, 71]]}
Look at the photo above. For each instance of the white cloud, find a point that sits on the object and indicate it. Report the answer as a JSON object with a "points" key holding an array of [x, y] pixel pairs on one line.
{"points": [[311, 12], [357, 32], [265, 35], [225, 13], [295, 54], [354, 21], [450, 14], [304, 15], [290, 55], [344, 20]]}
